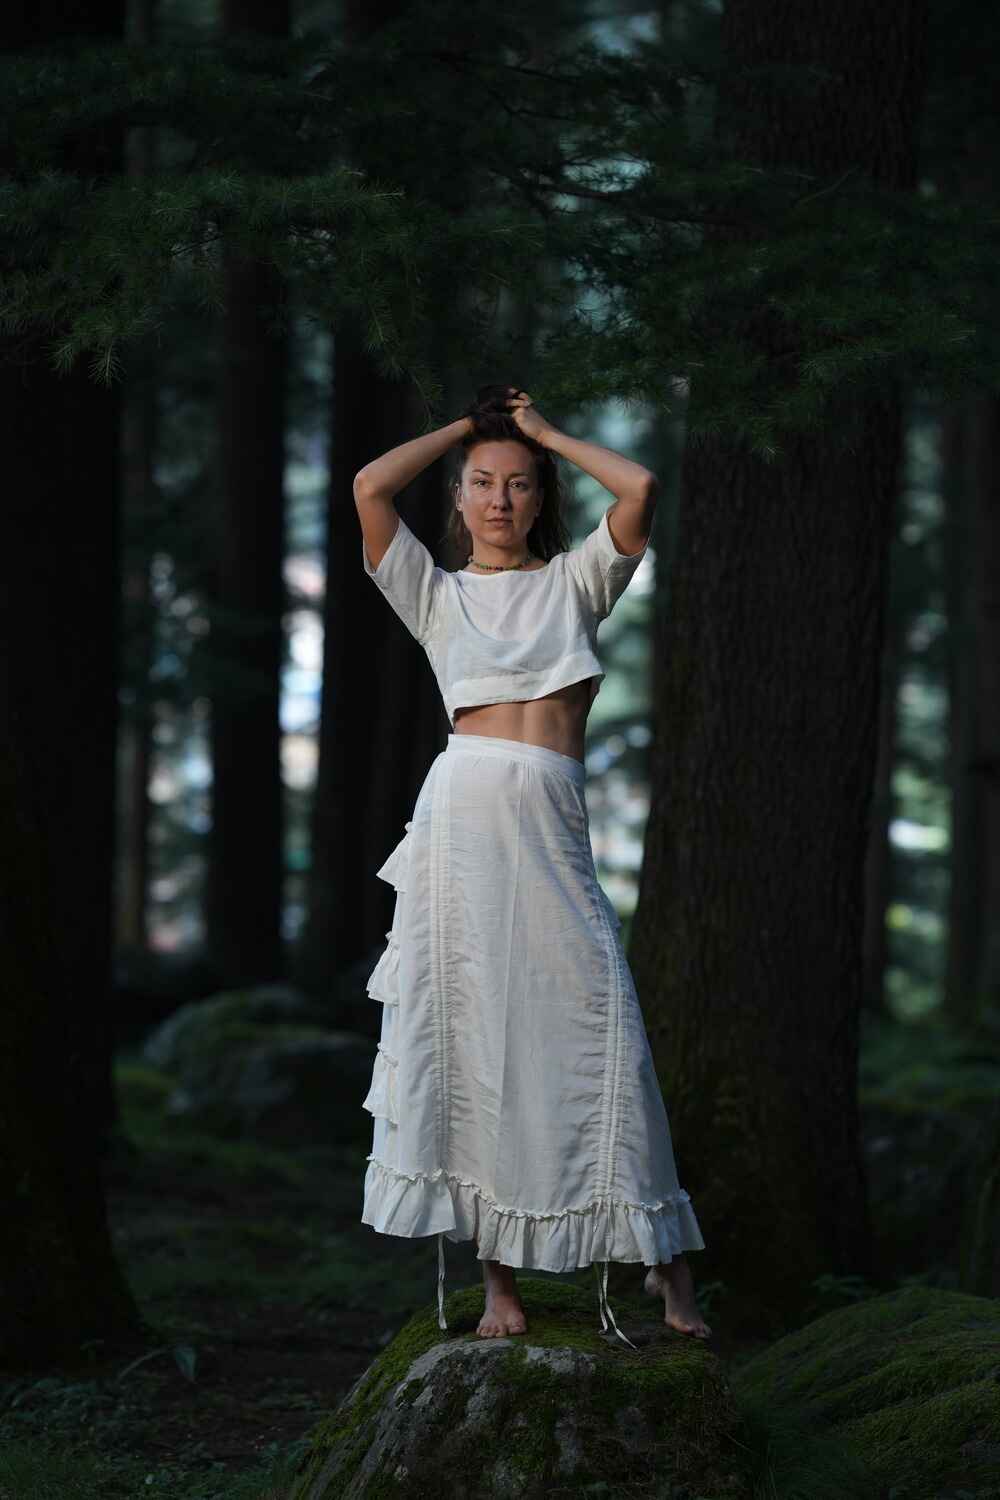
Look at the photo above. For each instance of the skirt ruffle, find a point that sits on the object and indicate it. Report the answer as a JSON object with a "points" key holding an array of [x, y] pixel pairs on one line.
{"points": [[381, 1100], [414, 1204], [383, 981], [394, 869]]}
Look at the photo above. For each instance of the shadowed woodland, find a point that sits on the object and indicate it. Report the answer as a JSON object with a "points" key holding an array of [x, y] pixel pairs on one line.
{"points": [[248, 246]]}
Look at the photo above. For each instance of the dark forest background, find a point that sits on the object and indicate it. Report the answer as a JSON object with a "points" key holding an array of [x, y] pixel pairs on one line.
{"points": [[246, 246]]}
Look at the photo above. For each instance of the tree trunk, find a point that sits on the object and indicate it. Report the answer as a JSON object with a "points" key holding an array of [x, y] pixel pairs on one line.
{"points": [[60, 1284], [381, 719], [971, 462], [139, 430], [59, 599], [245, 879], [748, 933]]}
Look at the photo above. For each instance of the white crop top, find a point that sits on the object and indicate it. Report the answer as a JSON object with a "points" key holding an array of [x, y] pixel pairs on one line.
{"points": [[506, 637]]}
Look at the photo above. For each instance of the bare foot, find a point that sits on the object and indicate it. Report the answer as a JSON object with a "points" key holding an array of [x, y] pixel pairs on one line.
{"points": [[672, 1281], [504, 1310]]}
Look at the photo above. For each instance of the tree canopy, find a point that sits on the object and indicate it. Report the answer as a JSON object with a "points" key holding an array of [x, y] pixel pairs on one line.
{"points": [[453, 150]]}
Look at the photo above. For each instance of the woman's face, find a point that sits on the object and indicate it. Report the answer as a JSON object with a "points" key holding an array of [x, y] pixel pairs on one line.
{"points": [[499, 495]]}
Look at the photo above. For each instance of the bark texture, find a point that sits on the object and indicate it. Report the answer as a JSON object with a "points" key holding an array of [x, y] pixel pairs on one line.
{"points": [[244, 898], [59, 590], [747, 939]]}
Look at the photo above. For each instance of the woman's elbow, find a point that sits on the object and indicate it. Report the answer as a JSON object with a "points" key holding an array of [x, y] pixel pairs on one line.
{"points": [[362, 486], [645, 490]]}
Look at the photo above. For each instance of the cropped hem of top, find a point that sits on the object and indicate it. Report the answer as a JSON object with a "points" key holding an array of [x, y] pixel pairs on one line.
{"points": [[506, 637]]}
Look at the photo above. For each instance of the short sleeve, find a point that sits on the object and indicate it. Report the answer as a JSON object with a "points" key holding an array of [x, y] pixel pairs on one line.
{"points": [[410, 580], [600, 570]]}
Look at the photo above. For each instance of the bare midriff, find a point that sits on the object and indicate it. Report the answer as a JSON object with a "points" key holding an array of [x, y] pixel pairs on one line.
{"points": [[556, 722]]}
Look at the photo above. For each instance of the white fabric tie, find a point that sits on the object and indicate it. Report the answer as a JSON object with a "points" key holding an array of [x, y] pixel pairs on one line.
{"points": [[603, 1304], [602, 1295], [441, 1317]]}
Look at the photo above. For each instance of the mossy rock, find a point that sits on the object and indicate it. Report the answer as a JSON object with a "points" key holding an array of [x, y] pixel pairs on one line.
{"points": [[562, 1409], [233, 1014], [260, 1064], [909, 1382]]}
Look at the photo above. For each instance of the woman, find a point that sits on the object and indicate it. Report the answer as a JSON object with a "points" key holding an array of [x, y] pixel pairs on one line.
{"points": [[514, 1097]]}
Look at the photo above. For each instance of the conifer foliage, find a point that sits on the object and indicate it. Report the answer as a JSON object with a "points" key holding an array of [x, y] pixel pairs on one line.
{"points": [[593, 162]]}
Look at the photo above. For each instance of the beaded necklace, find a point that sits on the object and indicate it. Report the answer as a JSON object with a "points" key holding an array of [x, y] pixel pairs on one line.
{"points": [[501, 567]]}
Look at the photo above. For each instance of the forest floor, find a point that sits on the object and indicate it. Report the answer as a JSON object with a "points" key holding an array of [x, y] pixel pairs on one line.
{"points": [[265, 1298]]}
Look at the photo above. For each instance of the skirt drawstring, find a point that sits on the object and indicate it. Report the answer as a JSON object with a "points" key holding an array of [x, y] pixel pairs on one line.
{"points": [[602, 1295], [441, 1318], [604, 1305]]}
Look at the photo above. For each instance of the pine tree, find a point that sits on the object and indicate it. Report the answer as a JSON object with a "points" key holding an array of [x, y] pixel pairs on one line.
{"points": [[747, 937], [60, 1285], [586, 161]]}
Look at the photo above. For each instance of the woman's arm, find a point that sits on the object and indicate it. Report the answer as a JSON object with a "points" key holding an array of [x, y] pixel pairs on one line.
{"points": [[391, 472], [635, 488], [385, 476]]}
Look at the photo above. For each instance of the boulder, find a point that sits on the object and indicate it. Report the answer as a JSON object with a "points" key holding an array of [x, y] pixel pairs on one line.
{"points": [[185, 1032], [563, 1409], [909, 1382], [261, 1064]]}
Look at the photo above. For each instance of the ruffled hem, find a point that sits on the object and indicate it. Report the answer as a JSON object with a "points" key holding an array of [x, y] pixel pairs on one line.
{"points": [[381, 1100], [607, 1229]]}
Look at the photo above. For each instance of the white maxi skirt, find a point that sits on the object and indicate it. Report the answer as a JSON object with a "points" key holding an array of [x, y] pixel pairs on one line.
{"points": [[514, 1095]]}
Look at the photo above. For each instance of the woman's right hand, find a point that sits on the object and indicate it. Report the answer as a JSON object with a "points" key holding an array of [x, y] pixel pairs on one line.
{"points": [[528, 418]]}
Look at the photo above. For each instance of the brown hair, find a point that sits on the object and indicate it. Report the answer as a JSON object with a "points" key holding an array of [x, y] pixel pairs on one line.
{"points": [[493, 423]]}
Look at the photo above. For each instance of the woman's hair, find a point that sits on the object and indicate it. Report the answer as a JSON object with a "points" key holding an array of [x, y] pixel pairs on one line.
{"points": [[493, 423]]}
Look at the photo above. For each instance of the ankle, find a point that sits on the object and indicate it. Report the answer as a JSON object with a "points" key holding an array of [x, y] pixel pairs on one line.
{"points": [[496, 1273]]}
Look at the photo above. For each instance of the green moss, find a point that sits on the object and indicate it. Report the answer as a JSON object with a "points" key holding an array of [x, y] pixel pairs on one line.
{"points": [[904, 1380], [877, 1396], [788, 1460], [142, 1087], [350, 1421], [676, 1385]]}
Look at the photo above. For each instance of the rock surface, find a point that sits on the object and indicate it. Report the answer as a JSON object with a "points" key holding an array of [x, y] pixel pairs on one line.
{"points": [[261, 1063], [558, 1410], [908, 1381]]}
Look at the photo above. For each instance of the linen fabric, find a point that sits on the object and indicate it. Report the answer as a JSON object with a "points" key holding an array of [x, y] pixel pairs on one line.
{"points": [[513, 1094], [510, 636]]}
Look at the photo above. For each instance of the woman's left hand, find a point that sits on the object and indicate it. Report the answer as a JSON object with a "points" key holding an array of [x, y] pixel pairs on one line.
{"points": [[530, 421]]}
